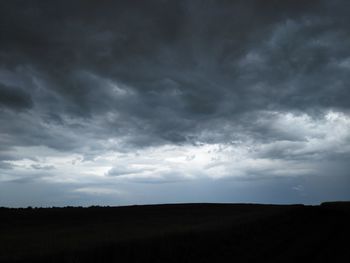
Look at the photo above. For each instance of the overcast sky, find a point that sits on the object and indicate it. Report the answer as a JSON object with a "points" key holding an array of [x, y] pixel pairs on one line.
{"points": [[134, 102]]}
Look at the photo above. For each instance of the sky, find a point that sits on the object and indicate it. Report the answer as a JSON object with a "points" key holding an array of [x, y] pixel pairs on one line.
{"points": [[140, 102]]}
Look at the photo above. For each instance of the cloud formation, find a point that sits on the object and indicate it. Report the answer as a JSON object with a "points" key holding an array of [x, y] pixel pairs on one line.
{"points": [[96, 95]]}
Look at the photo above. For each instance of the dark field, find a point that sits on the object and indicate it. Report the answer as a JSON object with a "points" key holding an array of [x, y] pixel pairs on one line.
{"points": [[177, 233]]}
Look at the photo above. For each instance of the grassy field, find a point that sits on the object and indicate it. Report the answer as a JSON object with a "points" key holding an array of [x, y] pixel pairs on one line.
{"points": [[177, 233]]}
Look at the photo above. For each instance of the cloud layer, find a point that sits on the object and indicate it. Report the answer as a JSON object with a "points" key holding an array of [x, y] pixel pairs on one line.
{"points": [[113, 101]]}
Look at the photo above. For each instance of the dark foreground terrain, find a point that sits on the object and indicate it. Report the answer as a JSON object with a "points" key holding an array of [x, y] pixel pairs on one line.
{"points": [[177, 233]]}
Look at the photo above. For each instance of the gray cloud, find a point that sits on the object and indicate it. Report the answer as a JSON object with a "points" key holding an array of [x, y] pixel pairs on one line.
{"points": [[42, 167], [85, 78], [4, 165], [120, 171], [14, 98]]}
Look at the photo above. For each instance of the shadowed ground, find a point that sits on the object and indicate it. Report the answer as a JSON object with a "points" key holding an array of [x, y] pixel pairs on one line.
{"points": [[177, 233]]}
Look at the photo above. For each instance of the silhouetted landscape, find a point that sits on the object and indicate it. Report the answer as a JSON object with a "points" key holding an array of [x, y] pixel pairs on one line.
{"points": [[177, 233]]}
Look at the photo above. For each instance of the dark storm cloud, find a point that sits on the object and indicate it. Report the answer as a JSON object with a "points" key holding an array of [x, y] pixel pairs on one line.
{"points": [[14, 98], [177, 63], [91, 77]]}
